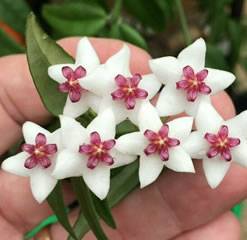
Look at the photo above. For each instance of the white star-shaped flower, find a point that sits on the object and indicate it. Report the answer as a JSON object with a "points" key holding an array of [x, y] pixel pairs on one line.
{"points": [[158, 144], [68, 75], [90, 152], [121, 90], [37, 160], [217, 142], [187, 81]]}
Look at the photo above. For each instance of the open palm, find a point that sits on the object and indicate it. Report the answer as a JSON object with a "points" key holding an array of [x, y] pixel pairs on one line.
{"points": [[177, 206]]}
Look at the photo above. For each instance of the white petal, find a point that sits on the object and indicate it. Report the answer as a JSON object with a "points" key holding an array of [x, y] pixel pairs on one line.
{"points": [[133, 115], [86, 55], [118, 108], [179, 160], [55, 72], [195, 145], [171, 101], [73, 134], [239, 153], [194, 55], [149, 118], [55, 138], [98, 180], [69, 164], [180, 128], [218, 80], [215, 169], [237, 125], [42, 184], [121, 159], [76, 109], [31, 130], [132, 143], [150, 84], [93, 101], [150, 168], [16, 163], [208, 119], [166, 69], [104, 124], [191, 108], [119, 63]]}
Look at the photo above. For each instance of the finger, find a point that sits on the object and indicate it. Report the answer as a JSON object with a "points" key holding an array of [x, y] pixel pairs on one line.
{"points": [[225, 227], [27, 213]]}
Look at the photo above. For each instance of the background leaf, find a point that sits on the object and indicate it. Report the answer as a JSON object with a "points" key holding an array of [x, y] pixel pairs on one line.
{"points": [[14, 13], [43, 52], [148, 12], [9, 45], [75, 18], [56, 202]]}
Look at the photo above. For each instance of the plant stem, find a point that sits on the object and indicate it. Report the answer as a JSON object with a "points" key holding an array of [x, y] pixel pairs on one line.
{"points": [[183, 22], [115, 13]]}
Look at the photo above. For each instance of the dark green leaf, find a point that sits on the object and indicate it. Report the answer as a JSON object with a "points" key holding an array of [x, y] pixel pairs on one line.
{"points": [[168, 7], [87, 207], [56, 202], [75, 18], [9, 45], [104, 211], [148, 12], [121, 185], [130, 35], [14, 14], [43, 52], [236, 33], [215, 58], [125, 127]]}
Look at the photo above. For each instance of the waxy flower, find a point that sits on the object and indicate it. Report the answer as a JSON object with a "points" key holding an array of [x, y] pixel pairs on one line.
{"points": [[37, 160], [123, 92], [68, 75], [218, 142], [158, 144], [90, 152], [187, 81]]}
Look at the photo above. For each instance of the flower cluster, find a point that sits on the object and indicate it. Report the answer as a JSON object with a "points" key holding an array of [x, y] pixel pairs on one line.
{"points": [[116, 94]]}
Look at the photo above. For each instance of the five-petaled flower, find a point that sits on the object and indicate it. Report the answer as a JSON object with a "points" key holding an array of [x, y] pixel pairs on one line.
{"points": [[89, 152], [113, 81], [68, 75], [158, 144], [218, 142], [37, 160], [187, 82]]}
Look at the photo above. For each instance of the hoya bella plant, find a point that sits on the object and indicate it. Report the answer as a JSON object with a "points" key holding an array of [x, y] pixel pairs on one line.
{"points": [[111, 138]]}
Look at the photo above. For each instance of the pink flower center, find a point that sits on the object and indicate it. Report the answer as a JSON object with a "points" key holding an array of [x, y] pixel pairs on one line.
{"points": [[160, 142], [39, 152], [72, 85], [221, 144], [98, 150], [193, 83], [128, 90]]}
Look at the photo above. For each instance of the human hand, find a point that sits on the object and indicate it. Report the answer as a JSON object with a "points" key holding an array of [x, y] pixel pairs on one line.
{"points": [[177, 206]]}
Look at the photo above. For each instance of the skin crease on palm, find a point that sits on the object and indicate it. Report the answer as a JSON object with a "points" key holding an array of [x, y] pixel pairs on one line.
{"points": [[177, 206]]}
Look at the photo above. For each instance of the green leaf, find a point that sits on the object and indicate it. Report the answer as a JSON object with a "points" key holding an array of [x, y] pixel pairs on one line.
{"points": [[87, 207], [43, 52], [215, 58], [104, 211], [125, 127], [14, 14], [121, 185], [148, 12], [130, 35], [56, 202], [168, 7], [75, 18], [9, 45]]}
